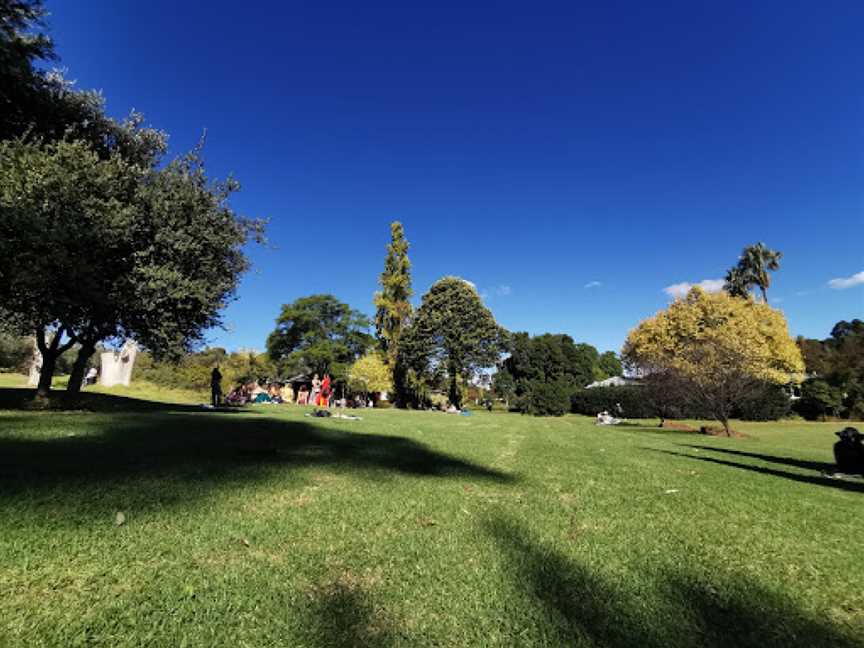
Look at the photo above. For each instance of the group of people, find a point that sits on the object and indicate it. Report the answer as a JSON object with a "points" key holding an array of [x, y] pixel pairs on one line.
{"points": [[319, 393]]}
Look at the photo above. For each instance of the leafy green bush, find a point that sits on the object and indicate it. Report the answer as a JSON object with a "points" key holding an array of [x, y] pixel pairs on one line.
{"points": [[634, 401], [771, 404], [15, 352], [547, 398], [819, 399], [193, 370]]}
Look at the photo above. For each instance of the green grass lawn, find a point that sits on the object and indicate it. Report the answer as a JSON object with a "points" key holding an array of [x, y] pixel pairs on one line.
{"points": [[263, 527]]}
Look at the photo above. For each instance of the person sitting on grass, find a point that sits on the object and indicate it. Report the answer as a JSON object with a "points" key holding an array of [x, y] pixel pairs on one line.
{"points": [[302, 396], [287, 393], [849, 452], [605, 418], [274, 391], [237, 396]]}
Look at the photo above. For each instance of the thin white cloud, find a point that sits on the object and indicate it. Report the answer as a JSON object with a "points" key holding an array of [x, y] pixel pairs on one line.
{"points": [[593, 284], [501, 290], [681, 289], [842, 283]]}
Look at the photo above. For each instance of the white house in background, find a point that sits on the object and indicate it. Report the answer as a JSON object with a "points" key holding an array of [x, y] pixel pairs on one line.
{"points": [[614, 381]]}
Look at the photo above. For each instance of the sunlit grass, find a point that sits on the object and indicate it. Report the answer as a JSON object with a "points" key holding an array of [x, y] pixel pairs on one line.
{"points": [[268, 528]]}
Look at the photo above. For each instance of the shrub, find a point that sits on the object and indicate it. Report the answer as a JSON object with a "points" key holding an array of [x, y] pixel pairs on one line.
{"points": [[818, 399], [769, 404], [547, 398], [633, 399]]}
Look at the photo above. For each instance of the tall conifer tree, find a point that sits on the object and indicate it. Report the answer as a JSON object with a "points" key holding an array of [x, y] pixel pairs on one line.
{"points": [[393, 308]]}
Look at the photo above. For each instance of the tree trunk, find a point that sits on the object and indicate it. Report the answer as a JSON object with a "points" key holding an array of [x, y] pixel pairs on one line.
{"points": [[50, 352], [76, 378], [46, 374], [726, 427], [455, 396], [764, 295]]}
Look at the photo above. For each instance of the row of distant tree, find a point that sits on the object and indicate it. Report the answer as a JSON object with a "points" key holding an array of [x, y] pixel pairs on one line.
{"points": [[439, 346], [101, 238], [835, 373]]}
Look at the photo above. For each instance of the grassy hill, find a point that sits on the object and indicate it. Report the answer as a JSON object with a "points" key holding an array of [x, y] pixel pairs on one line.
{"points": [[264, 527]]}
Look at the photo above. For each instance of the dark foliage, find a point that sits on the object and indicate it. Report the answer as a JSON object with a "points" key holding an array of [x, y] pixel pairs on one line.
{"points": [[634, 401], [546, 398], [453, 334], [836, 369], [318, 334], [662, 401], [543, 371], [768, 404]]}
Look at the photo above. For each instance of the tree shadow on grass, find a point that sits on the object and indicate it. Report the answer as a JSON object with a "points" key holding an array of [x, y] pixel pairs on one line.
{"points": [[176, 456], [574, 606], [817, 480], [16, 398], [785, 461], [344, 615]]}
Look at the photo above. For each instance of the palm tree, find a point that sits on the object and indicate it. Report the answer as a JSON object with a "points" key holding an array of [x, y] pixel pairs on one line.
{"points": [[757, 260]]}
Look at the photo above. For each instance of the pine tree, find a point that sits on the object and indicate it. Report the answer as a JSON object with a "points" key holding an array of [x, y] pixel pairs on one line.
{"points": [[393, 308]]}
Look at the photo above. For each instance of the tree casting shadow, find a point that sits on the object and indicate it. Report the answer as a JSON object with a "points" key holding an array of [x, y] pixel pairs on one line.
{"points": [[577, 607]]}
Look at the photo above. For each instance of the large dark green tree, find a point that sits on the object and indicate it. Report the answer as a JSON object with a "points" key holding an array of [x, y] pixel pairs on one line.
{"points": [[608, 365], [393, 308], [41, 105], [545, 370], [319, 334], [95, 249], [453, 334]]}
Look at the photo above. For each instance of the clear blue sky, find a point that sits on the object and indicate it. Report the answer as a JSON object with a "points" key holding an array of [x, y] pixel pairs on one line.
{"points": [[532, 148]]}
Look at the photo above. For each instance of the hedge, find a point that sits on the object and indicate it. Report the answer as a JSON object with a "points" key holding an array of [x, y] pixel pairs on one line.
{"points": [[768, 405]]}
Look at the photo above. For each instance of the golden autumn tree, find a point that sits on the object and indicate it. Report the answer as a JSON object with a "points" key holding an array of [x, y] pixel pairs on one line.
{"points": [[722, 348], [370, 374]]}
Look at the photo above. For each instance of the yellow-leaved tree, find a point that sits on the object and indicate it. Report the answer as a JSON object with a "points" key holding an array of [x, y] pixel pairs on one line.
{"points": [[722, 348], [370, 374]]}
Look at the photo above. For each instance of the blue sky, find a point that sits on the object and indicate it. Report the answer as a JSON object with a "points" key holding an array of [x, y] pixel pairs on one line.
{"points": [[571, 160]]}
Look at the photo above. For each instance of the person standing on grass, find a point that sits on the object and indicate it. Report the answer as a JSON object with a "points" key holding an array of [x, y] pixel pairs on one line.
{"points": [[325, 392], [216, 386], [316, 389]]}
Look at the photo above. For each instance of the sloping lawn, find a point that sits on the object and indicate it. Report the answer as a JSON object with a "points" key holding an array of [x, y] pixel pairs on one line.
{"points": [[267, 528]]}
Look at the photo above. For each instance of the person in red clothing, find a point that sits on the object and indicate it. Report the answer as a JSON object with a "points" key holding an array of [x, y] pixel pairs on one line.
{"points": [[324, 398]]}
